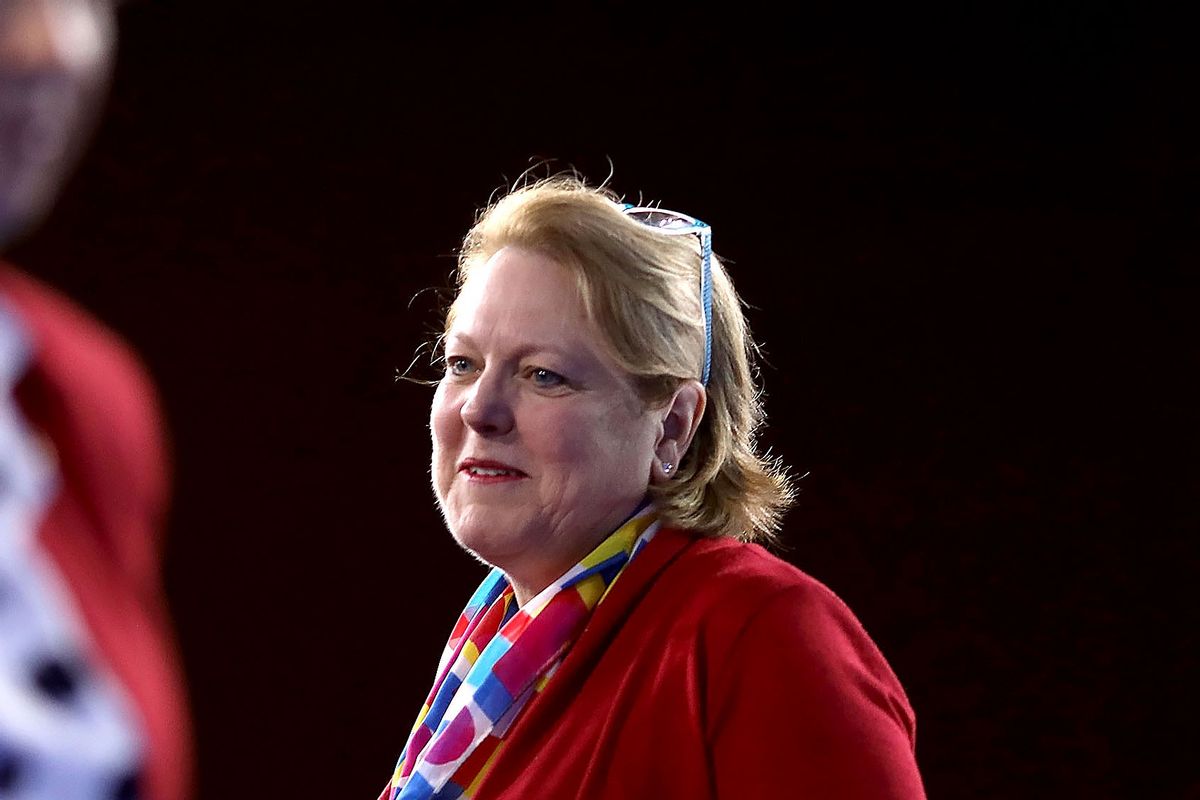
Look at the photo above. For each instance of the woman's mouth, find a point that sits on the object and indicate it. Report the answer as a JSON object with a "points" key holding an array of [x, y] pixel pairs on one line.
{"points": [[489, 471]]}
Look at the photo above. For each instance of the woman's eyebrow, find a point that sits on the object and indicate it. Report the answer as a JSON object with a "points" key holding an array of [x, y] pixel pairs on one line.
{"points": [[458, 338], [574, 355]]}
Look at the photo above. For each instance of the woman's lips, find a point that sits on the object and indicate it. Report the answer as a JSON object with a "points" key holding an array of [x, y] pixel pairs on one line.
{"points": [[483, 471]]}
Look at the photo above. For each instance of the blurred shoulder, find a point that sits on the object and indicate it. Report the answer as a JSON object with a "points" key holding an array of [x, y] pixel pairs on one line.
{"points": [[88, 393], [67, 339]]}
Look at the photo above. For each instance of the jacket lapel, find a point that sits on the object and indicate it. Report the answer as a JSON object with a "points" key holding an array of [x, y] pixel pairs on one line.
{"points": [[545, 710]]}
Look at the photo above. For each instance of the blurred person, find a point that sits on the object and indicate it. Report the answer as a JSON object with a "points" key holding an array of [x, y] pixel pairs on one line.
{"points": [[91, 697]]}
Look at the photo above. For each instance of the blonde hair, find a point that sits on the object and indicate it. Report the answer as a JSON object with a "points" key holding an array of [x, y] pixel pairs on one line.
{"points": [[643, 290]]}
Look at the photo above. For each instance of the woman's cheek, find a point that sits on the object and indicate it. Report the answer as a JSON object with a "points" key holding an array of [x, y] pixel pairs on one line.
{"points": [[566, 434], [445, 413]]}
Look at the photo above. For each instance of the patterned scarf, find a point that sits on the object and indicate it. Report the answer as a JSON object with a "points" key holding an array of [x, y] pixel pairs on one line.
{"points": [[497, 658]]}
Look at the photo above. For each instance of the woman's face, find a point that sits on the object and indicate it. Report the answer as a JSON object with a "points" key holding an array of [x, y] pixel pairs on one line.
{"points": [[55, 57], [541, 447]]}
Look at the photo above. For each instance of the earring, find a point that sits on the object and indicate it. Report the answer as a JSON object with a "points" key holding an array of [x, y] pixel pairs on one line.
{"points": [[667, 467]]}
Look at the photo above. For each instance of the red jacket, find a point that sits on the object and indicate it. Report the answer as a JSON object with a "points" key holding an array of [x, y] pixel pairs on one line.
{"points": [[714, 670], [86, 393]]}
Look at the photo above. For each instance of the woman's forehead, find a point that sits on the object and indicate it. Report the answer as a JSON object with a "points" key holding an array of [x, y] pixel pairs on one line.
{"points": [[525, 299], [521, 283]]}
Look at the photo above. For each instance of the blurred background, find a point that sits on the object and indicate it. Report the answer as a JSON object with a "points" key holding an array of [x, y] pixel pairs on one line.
{"points": [[968, 240]]}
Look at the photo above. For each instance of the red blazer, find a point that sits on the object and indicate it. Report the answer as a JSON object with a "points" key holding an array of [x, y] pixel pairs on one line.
{"points": [[714, 670], [87, 394]]}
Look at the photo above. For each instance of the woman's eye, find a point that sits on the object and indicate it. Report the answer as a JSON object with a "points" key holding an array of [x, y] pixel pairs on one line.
{"points": [[457, 365], [546, 379]]}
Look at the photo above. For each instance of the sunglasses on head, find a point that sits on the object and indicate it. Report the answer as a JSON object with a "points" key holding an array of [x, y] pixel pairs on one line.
{"points": [[675, 223]]}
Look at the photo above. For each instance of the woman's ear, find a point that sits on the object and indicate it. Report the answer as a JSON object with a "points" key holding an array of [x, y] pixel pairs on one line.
{"points": [[680, 417]]}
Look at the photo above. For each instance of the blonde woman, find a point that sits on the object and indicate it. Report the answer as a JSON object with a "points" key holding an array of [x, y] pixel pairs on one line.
{"points": [[594, 442]]}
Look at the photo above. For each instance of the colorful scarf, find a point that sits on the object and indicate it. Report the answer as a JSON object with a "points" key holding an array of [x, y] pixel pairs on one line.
{"points": [[497, 658]]}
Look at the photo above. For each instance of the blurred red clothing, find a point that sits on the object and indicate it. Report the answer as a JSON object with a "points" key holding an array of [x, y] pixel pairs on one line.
{"points": [[86, 393]]}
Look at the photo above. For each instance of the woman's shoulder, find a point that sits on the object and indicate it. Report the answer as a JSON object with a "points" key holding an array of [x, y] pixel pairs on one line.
{"points": [[748, 610], [738, 576], [729, 593]]}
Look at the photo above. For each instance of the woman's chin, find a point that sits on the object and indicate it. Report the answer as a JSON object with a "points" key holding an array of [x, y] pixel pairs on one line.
{"points": [[497, 543]]}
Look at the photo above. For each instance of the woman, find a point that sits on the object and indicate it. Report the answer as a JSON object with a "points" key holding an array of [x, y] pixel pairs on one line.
{"points": [[593, 440]]}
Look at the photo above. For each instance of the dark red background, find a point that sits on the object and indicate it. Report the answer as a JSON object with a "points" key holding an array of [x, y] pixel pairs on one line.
{"points": [[969, 243]]}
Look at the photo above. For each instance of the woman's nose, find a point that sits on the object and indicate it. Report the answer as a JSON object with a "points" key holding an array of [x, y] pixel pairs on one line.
{"points": [[488, 408]]}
